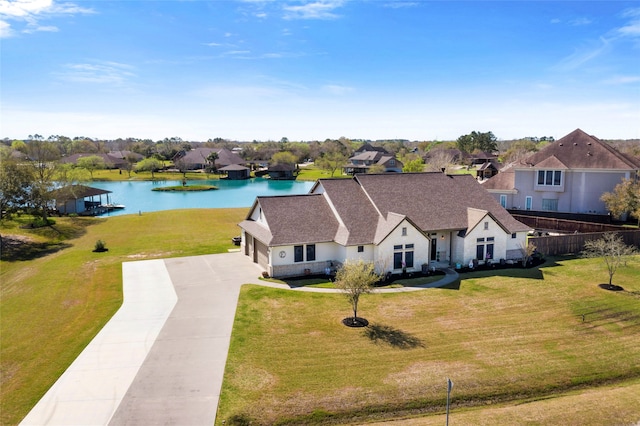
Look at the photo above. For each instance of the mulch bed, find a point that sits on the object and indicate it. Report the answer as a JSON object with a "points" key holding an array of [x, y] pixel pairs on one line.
{"points": [[611, 287], [355, 322]]}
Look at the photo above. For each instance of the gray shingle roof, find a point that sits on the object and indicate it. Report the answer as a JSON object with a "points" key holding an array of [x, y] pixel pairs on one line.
{"points": [[76, 192], [295, 219], [363, 210], [433, 201], [578, 150], [354, 210]]}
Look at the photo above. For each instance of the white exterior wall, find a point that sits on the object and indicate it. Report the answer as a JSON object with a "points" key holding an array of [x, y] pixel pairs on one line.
{"points": [[286, 266], [494, 230], [514, 245], [368, 253], [384, 251], [457, 250]]}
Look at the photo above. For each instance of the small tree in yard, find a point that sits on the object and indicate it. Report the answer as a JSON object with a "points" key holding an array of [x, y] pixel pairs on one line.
{"points": [[527, 251], [612, 249], [355, 278]]}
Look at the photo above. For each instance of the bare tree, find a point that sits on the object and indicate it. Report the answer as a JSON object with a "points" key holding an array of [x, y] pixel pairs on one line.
{"points": [[527, 251], [42, 161], [438, 160], [91, 163], [355, 278], [612, 249]]}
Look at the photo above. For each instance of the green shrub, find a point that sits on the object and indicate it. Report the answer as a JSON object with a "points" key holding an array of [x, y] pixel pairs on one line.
{"points": [[100, 246]]}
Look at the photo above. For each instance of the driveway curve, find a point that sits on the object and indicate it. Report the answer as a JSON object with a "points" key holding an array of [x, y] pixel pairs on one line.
{"points": [[161, 358]]}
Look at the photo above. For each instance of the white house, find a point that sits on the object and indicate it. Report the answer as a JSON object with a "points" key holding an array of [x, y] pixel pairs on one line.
{"points": [[398, 221]]}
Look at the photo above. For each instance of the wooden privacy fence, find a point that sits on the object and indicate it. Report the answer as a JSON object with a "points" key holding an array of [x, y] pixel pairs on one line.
{"points": [[565, 225], [574, 243]]}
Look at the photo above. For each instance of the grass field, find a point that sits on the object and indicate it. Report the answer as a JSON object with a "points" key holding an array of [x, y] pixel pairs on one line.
{"points": [[56, 294], [504, 340], [511, 338], [309, 172]]}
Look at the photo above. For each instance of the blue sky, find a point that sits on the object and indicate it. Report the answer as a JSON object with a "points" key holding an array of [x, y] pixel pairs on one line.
{"points": [[312, 70]]}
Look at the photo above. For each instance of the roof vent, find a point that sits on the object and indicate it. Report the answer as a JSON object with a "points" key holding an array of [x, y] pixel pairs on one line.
{"points": [[589, 153], [561, 144], [575, 144], [588, 143]]}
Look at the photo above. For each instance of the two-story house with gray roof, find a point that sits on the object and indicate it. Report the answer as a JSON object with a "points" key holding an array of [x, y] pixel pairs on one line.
{"points": [[568, 176], [398, 221]]}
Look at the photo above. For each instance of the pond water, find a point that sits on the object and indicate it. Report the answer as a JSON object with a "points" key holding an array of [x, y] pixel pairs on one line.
{"points": [[139, 197]]}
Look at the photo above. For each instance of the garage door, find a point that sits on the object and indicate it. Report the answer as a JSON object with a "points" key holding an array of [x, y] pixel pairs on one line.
{"points": [[260, 254]]}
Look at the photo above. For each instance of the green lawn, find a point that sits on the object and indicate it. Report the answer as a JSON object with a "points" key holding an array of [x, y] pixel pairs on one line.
{"points": [[519, 336], [310, 172], [509, 338], [56, 293]]}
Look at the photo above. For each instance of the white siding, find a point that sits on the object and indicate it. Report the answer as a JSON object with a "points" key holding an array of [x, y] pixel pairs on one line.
{"points": [[494, 230], [384, 251]]}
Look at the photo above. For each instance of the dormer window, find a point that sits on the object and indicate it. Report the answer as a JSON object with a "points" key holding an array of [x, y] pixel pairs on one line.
{"points": [[550, 177]]}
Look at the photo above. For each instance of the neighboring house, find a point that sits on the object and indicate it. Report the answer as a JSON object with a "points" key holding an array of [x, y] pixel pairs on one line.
{"points": [[283, 171], [367, 147], [362, 162], [486, 170], [568, 176], [79, 199], [197, 158], [398, 221], [368, 155], [110, 161], [481, 158], [126, 155], [236, 172]]}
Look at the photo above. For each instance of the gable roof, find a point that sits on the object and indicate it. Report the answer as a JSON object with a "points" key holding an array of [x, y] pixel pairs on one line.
{"points": [[504, 180], [199, 156], [232, 167], [365, 209], [354, 210], [293, 219], [368, 147], [433, 201], [578, 150], [76, 192]]}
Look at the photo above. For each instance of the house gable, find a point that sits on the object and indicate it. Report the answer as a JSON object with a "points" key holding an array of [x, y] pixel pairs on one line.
{"points": [[578, 150]]}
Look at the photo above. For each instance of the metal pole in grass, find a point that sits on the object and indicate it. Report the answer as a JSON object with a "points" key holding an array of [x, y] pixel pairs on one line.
{"points": [[449, 387]]}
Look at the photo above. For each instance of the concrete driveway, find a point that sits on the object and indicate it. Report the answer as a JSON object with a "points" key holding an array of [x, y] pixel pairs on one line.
{"points": [[161, 358]]}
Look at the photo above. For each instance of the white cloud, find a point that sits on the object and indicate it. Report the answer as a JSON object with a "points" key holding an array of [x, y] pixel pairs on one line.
{"points": [[40, 28], [337, 90], [111, 73], [632, 27], [580, 21], [583, 55], [623, 79], [322, 9], [400, 4], [23, 8], [31, 11], [5, 30]]}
